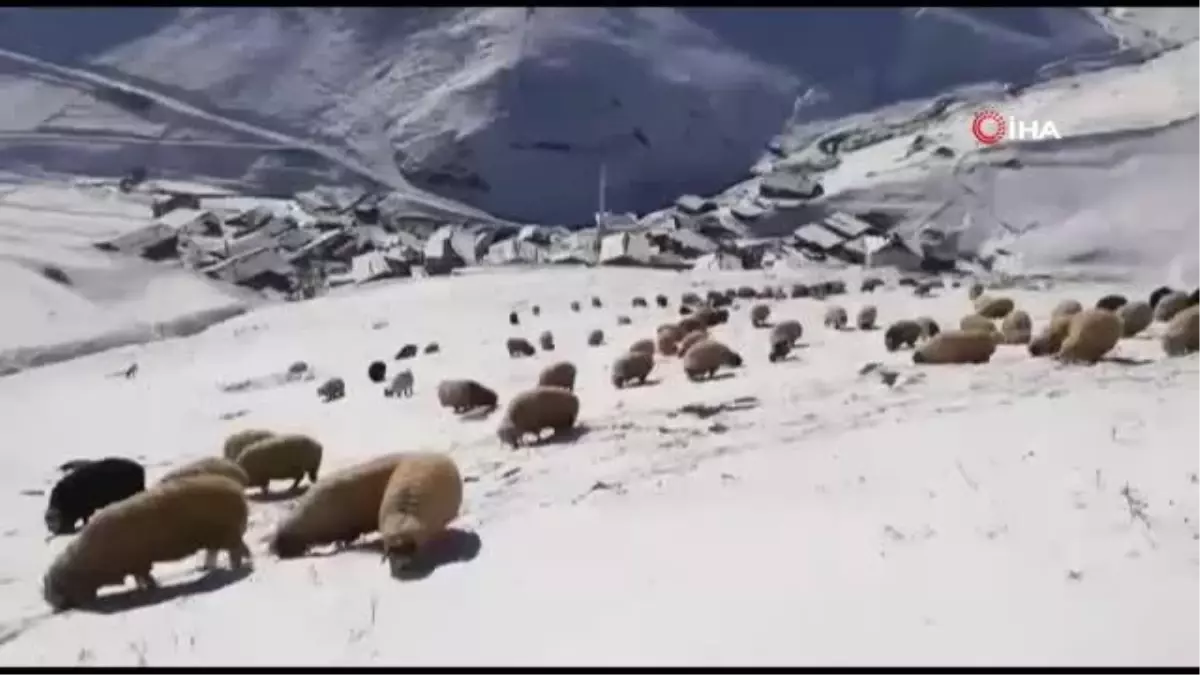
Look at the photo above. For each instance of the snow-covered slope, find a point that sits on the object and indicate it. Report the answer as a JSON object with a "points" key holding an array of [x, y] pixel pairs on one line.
{"points": [[1010, 513], [60, 297], [513, 110]]}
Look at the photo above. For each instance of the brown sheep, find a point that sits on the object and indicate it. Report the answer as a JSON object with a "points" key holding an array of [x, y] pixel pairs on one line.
{"points": [[546, 341], [630, 367], [170, 522], [974, 291], [279, 457], [1092, 334], [904, 332], [691, 339], [338, 509], [704, 358], [836, 317], [782, 338], [1067, 308], [712, 317], [993, 307], [929, 327], [561, 374], [666, 345], [691, 324], [532, 411], [670, 330], [1017, 328], [595, 338], [464, 395], [1169, 305], [975, 322], [1112, 302], [519, 347], [239, 440], [1050, 339], [623, 320], [788, 331], [423, 495], [799, 291], [746, 292], [690, 298], [759, 314], [956, 347], [865, 320], [1182, 335], [209, 466], [645, 346], [1135, 317]]}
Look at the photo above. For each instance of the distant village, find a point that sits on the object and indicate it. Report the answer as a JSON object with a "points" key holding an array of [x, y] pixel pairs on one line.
{"points": [[297, 248]]}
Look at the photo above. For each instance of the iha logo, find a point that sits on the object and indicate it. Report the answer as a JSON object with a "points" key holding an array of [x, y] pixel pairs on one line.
{"points": [[990, 127]]}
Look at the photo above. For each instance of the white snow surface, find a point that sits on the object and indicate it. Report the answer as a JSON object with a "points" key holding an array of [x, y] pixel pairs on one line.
{"points": [[1018, 512], [477, 104]]}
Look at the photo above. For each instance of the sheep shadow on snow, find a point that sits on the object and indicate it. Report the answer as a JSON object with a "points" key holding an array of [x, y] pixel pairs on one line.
{"points": [[478, 414], [210, 581], [272, 497], [454, 546], [648, 382]]}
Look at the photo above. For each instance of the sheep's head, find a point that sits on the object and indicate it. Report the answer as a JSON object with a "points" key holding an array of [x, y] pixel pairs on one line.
{"points": [[508, 434], [287, 544]]}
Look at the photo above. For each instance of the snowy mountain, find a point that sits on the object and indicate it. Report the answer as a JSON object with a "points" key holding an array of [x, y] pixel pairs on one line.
{"points": [[510, 110]]}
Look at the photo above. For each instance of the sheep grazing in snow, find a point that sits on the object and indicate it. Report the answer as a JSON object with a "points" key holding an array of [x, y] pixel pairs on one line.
{"points": [[977, 323], [902, 333], [1092, 334], [634, 366], [596, 302], [377, 371], [208, 466], [870, 284], [423, 495], [993, 307], [865, 320], [746, 292], [595, 338], [1066, 308], [532, 411], [799, 291], [285, 456], [1112, 302], [561, 374], [464, 395], [836, 317], [1169, 305], [1016, 328], [89, 487], [401, 385], [433, 348], [406, 352], [332, 389], [1135, 317], [239, 441], [661, 300], [759, 314], [956, 347], [703, 359], [574, 305], [1182, 335], [546, 341], [623, 320], [782, 338], [519, 347], [1050, 339], [513, 319], [171, 522], [644, 346], [638, 302], [690, 299], [535, 310], [974, 291], [338, 509]]}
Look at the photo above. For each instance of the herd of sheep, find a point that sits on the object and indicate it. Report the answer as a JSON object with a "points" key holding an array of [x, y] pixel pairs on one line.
{"points": [[411, 498]]}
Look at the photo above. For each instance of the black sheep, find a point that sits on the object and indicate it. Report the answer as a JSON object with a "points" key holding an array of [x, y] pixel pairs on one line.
{"points": [[90, 487], [377, 371]]}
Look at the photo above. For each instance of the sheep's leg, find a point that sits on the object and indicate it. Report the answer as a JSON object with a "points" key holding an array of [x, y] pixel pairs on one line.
{"points": [[238, 554], [296, 483], [262, 489], [210, 560]]}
